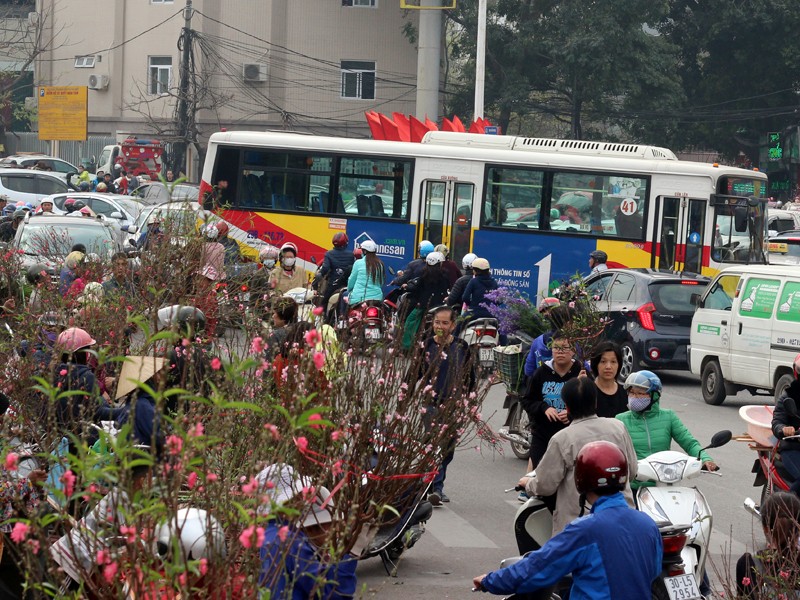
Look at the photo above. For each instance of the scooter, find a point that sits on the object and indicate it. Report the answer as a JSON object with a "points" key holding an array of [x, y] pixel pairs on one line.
{"points": [[367, 322], [482, 337], [680, 509], [768, 468], [304, 298]]}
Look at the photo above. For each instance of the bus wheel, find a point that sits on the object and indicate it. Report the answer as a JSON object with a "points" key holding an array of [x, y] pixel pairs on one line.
{"points": [[713, 384]]}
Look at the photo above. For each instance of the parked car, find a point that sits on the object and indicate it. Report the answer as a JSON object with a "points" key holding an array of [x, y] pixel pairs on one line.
{"points": [[122, 210], [47, 239], [155, 192], [779, 221], [784, 248], [650, 315], [52, 164], [30, 186], [182, 216]]}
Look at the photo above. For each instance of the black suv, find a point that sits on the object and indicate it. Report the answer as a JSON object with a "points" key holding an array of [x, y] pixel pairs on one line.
{"points": [[651, 314]]}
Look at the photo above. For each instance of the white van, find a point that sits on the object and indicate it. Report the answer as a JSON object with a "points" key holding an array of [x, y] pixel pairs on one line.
{"points": [[746, 331]]}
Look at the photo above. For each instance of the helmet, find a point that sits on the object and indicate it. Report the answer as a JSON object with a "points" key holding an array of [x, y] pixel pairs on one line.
{"points": [[369, 246], [268, 253], [425, 248], [646, 381], [74, 339], [34, 273], [340, 240], [466, 262], [222, 228], [599, 256], [193, 532], [8, 209], [19, 214], [600, 467], [548, 303], [481, 264], [78, 204], [443, 249], [188, 319], [796, 367], [5, 198], [289, 246], [101, 187], [358, 253], [434, 258], [211, 232]]}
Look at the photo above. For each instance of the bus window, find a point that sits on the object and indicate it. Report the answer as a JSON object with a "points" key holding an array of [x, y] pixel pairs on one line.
{"points": [[374, 187], [513, 198], [600, 205]]}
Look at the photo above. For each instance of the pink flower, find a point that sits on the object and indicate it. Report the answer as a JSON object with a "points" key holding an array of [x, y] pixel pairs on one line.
{"points": [[283, 532], [103, 557], [315, 417], [34, 546], [68, 479], [174, 445], [62, 372], [273, 430], [191, 481], [12, 460], [110, 572], [257, 345], [746, 581], [216, 363], [312, 337], [301, 443], [203, 566], [318, 311], [19, 533], [319, 360], [246, 539], [250, 487], [129, 531], [784, 574], [335, 435], [183, 579], [211, 477], [197, 431]]}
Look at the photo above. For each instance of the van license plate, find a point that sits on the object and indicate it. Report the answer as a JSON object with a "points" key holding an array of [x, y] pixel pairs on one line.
{"points": [[682, 587]]}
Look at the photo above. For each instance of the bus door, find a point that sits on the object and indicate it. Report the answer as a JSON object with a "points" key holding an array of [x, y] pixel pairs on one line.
{"points": [[447, 215], [679, 234]]}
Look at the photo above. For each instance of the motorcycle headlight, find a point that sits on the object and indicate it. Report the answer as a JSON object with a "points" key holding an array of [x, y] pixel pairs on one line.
{"points": [[669, 472], [649, 505]]}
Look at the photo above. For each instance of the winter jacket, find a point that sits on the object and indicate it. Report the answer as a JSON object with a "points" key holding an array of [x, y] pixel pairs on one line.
{"points": [[429, 290], [543, 392], [456, 296], [786, 414], [653, 431], [452, 271], [146, 421], [412, 271], [539, 354], [555, 473], [287, 280], [614, 553], [474, 295], [361, 286], [447, 369], [336, 267]]}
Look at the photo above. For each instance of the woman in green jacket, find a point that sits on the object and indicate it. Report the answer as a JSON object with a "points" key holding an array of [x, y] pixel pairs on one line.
{"points": [[653, 428]]}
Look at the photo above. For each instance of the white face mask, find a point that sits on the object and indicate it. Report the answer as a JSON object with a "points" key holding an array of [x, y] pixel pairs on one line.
{"points": [[269, 263], [288, 261]]}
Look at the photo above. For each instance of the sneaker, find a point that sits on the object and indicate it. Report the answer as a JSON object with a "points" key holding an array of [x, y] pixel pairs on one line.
{"points": [[523, 497], [444, 497], [435, 498]]}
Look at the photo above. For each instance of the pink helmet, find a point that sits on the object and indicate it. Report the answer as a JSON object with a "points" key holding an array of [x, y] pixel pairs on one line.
{"points": [[73, 339]]}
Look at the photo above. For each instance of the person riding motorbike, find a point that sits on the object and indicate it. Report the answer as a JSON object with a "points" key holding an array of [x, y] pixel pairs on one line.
{"points": [[336, 268], [614, 552], [455, 298], [786, 423], [425, 292], [448, 266], [287, 275], [652, 428], [415, 267], [597, 261], [9, 229], [233, 254], [367, 276], [475, 292]]}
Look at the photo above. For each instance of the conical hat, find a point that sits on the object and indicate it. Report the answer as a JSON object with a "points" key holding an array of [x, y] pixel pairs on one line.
{"points": [[135, 369]]}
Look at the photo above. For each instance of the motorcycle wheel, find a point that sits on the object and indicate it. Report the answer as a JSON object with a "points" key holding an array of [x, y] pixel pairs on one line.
{"points": [[520, 424], [659, 590]]}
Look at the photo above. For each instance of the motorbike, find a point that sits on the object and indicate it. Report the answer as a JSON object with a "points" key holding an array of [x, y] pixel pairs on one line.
{"points": [[510, 361], [305, 303], [770, 474], [482, 337], [680, 511], [367, 322]]}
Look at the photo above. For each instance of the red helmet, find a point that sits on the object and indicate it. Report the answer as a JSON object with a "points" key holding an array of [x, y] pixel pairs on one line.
{"points": [[796, 367], [600, 466], [548, 303], [358, 253], [222, 228], [340, 239], [73, 339]]}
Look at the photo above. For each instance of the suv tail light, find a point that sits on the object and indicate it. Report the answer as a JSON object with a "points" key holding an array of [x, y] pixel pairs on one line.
{"points": [[645, 314]]}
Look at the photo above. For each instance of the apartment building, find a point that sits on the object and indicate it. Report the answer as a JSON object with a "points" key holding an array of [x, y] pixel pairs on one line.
{"points": [[305, 65]]}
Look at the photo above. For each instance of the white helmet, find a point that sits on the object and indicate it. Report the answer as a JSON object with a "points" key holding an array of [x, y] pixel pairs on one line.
{"points": [[434, 258], [466, 262], [211, 232], [198, 533], [369, 246], [268, 256]]}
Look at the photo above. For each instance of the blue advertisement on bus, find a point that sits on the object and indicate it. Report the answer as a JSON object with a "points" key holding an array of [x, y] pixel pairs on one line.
{"points": [[396, 241]]}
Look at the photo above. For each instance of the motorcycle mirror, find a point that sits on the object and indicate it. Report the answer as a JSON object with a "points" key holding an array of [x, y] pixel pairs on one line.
{"points": [[719, 439], [314, 259], [392, 271]]}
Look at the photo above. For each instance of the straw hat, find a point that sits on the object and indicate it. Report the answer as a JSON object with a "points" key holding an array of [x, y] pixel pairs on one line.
{"points": [[136, 369]]}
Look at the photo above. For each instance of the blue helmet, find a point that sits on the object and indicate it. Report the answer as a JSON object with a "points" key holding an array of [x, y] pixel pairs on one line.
{"points": [[425, 248], [646, 381], [9, 210]]}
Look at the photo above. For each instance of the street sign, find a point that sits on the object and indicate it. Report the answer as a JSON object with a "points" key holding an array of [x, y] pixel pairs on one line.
{"points": [[491, 130], [63, 113]]}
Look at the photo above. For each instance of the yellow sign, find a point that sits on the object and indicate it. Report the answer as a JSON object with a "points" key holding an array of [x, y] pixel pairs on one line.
{"points": [[778, 247], [63, 113]]}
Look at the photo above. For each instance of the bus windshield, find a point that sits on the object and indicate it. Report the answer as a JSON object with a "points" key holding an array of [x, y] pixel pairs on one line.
{"points": [[740, 230]]}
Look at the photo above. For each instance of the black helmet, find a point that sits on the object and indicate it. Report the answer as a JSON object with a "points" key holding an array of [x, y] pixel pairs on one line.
{"points": [[36, 274], [79, 204], [599, 256], [190, 319], [19, 214]]}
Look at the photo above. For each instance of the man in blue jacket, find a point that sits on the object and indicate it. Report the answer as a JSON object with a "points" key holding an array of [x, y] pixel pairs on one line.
{"points": [[613, 553]]}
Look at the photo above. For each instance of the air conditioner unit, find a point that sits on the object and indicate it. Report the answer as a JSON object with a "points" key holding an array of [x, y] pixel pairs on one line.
{"points": [[98, 82], [254, 72]]}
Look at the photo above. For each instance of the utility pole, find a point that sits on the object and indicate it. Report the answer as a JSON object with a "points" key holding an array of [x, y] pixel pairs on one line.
{"points": [[184, 106], [429, 59], [480, 60]]}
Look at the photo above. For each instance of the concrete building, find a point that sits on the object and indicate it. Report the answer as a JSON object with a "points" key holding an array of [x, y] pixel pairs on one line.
{"points": [[306, 65]]}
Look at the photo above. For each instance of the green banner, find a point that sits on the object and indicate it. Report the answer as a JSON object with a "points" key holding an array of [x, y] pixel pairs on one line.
{"points": [[707, 329], [789, 304], [759, 298]]}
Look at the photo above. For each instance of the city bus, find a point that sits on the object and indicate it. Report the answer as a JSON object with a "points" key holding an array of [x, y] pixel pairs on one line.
{"points": [[534, 207]]}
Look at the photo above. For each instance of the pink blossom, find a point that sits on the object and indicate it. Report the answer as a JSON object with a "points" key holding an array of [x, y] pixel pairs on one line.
{"points": [[191, 480], [203, 566], [273, 430], [318, 311], [211, 477], [62, 372], [174, 445], [784, 575], [197, 431], [336, 469], [216, 363], [250, 487], [319, 360], [312, 337], [68, 479], [12, 460], [246, 539], [34, 546], [746, 581], [110, 572], [335, 435], [283, 532], [183, 579], [129, 531], [313, 418], [19, 533], [257, 345], [102, 557], [301, 443]]}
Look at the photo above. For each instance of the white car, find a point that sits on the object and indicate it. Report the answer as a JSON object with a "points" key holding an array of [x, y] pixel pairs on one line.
{"points": [[119, 209], [30, 186], [56, 166]]}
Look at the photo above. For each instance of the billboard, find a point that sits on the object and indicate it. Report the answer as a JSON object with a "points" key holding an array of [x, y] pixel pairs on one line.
{"points": [[63, 113]]}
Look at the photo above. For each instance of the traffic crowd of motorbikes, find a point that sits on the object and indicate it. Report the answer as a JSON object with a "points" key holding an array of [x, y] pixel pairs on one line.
{"points": [[607, 507]]}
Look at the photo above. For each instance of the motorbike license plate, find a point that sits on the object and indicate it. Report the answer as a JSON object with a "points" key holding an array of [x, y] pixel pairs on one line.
{"points": [[682, 587], [372, 333], [486, 355]]}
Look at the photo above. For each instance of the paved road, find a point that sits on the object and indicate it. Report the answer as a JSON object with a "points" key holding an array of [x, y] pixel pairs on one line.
{"points": [[473, 533]]}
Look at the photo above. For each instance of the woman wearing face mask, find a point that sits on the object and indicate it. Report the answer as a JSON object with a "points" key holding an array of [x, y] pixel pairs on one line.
{"points": [[653, 428], [612, 399], [287, 275]]}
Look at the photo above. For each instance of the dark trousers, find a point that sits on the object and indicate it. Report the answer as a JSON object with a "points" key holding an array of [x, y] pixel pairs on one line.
{"points": [[791, 462]]}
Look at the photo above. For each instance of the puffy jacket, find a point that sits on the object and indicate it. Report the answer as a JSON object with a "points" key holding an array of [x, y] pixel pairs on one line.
{"points": [[412, 271], [539, 353], [287, 280], [653, 431], [456, 297], [336, 267], [613, 553], [361, 286], [452, 271], [429, 290], [475, 292], [786, 414]]}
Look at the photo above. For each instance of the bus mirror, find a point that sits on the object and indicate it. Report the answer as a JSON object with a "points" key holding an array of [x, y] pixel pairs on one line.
{"points": [[740, 219]]}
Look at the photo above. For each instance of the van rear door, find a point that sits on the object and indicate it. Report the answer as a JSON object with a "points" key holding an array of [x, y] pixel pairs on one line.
{"points": [[751, 335], [711, 325]]}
